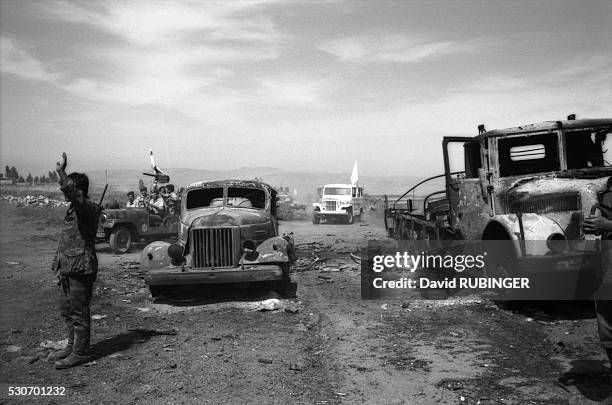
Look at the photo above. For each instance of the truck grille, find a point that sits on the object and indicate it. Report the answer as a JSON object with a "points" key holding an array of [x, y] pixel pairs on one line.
{"points": [[557, 202], [217, 247], [330, 206]]}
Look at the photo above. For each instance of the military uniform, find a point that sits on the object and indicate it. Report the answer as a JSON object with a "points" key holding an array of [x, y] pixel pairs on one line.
{"points": [[76, 266]]}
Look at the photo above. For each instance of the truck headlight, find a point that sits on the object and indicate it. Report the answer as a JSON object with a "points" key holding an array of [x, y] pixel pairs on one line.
{"points": [[557, 242]]}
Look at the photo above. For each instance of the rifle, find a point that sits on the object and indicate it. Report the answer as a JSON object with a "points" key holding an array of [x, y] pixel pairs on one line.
{"points": [[100, 204]]}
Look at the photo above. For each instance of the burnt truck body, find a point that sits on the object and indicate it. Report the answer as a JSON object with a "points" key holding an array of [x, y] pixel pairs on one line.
{"points": [[528, 184], [228, 232]]}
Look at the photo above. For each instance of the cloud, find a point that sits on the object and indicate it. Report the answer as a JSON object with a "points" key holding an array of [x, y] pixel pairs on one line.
{"points": [[17, 61], [183, 55], [301, 92], [395, 48], [146, 23], [585, 72]]}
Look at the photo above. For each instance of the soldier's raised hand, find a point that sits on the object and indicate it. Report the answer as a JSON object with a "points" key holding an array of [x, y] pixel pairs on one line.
{"points": [[61, 166]]}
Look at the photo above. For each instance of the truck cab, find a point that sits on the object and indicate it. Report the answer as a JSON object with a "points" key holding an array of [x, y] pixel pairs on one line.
{"points": [[527, 184]]}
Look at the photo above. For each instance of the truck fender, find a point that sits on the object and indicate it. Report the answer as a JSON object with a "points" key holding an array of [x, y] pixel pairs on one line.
{"points": [[317, 205], [536, 228], [155, 256], [272, 250]]}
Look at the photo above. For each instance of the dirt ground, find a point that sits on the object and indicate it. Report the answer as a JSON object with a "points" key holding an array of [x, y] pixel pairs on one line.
{"points": [[337, 349]]}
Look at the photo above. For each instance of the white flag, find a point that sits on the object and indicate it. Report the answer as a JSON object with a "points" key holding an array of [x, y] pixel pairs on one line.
{"points": [[354, 175], [154, 166]]}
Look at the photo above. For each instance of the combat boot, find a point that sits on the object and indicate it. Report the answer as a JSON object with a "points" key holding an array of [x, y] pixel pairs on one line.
{"points": [[80, 353], [63, 353]]}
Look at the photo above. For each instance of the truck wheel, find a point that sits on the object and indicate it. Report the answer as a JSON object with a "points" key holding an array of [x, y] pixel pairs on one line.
{"points": [[502, 262], [285, 286], [316, 219], [359, 217], [349, 217], [120, 240]]}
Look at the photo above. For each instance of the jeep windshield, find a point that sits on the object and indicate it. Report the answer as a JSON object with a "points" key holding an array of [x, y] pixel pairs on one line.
{"points": [[241, 197], [337, 191]]}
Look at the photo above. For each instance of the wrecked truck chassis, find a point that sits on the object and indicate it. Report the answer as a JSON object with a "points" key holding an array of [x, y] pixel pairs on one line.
{"points": [[271, 265], [241, 274], [228, 234]]}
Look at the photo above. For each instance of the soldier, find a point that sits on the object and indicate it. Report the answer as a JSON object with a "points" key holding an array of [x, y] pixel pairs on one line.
{"points": [[131, 203], [603, 307], [157, 208], [172, 201], [76, 265], [143, 198]]}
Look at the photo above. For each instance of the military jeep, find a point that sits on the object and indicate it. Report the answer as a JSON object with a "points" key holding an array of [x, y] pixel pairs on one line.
{"points": [[122, 227], [228, 234]]}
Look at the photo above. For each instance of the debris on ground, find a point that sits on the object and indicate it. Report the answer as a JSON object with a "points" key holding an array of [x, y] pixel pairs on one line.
{"points": [[271, 304], [58, 345], [37, 201]]}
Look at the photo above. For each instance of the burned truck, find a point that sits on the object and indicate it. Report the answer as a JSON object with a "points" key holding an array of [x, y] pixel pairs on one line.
{"points": [[527, 184], [288, 208], [228, 234]]}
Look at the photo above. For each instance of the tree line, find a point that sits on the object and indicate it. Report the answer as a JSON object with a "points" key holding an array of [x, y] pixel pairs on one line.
{"points": [[13, 174]]}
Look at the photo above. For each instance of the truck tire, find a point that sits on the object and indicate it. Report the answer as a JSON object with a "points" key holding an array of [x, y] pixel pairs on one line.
{"points": [[359, 216], [316, 219], [120, 240], [349, 217], [285, 286]]}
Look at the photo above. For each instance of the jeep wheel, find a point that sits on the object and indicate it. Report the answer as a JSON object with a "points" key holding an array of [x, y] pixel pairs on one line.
{"points": [[120, 240], [349, 217], [316, 219]]}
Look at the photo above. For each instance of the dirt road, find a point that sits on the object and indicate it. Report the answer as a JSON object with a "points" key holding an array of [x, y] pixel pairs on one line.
{"points": [[336, 349]]}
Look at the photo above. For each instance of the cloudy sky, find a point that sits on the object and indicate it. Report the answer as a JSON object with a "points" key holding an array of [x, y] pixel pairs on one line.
{"points": [[300, 85]]}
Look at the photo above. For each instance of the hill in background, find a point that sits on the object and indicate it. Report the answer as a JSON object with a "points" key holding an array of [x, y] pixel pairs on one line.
{"points": [[123, 180]]}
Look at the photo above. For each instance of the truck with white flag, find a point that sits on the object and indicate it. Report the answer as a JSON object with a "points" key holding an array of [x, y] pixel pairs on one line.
{"points": [[343, 202]]}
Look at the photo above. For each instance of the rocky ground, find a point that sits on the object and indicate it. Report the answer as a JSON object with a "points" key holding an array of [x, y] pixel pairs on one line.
{"points": [[327, 346]]}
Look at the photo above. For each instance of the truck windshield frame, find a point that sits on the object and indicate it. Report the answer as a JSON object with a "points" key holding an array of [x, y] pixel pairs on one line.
{"points": [[521, 155], [231, 196], [337, 191], [205, 197], [587, 149]]}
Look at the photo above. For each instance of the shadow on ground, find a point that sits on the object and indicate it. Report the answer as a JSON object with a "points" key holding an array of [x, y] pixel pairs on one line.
{"points": [[590, 377], [194, 295], [124, 341], [550, 310]]}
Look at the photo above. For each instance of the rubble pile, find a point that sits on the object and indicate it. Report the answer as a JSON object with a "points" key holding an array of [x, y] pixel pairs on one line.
{"points": [[325, 257], [36, 201]]}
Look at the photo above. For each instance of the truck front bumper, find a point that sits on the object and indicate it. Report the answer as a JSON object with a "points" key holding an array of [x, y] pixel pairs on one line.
{"points": [[571, 262], [248, 273], [342, 213]]}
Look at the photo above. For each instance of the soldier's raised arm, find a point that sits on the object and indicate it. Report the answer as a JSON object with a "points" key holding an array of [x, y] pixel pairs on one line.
{"points": [[75, 193]]}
